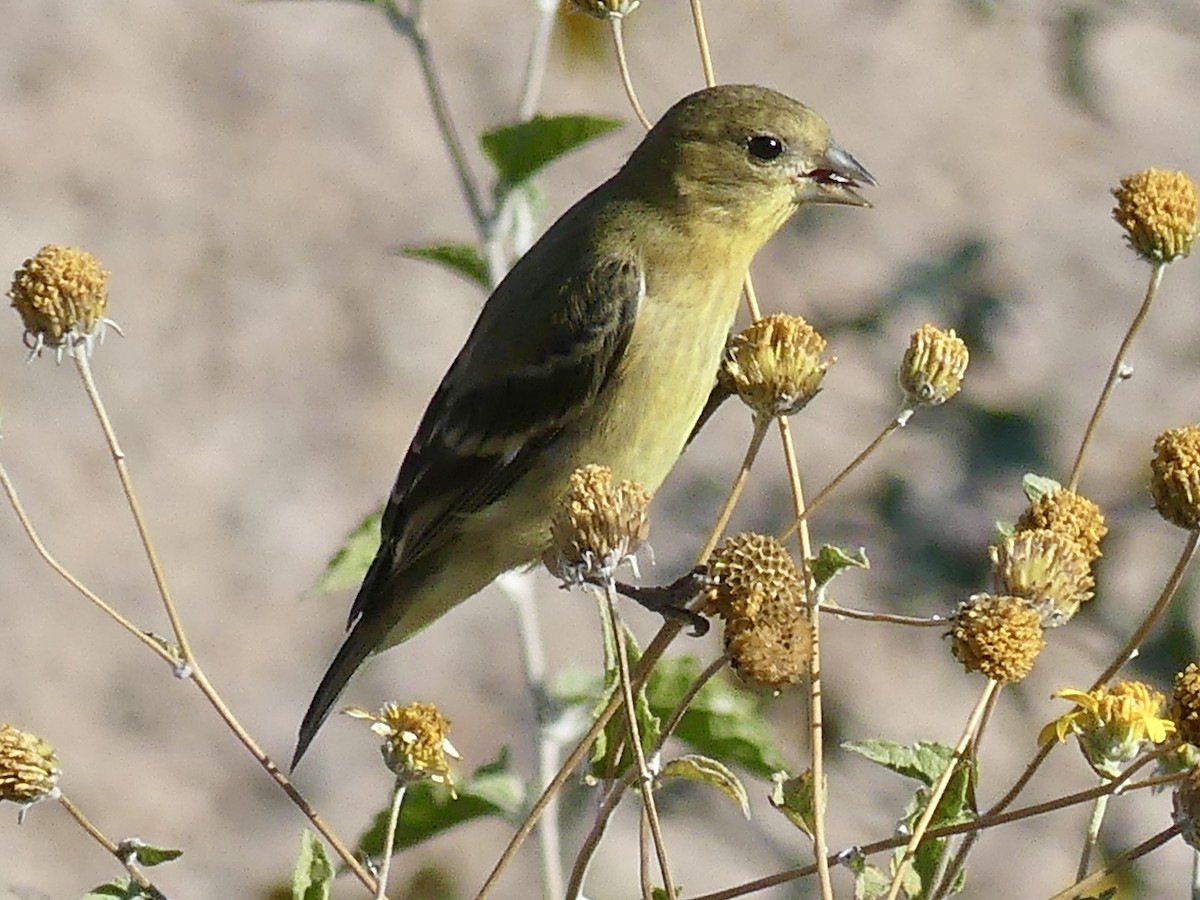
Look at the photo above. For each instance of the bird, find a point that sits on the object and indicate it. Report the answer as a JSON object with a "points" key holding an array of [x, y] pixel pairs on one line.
{"points": [[600, 346]]}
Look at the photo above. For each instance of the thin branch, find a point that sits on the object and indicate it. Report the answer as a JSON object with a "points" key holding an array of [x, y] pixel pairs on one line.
{"points": [[1117, 863], [1114, 372], [104, 841], [389, 838], [626, 80]]}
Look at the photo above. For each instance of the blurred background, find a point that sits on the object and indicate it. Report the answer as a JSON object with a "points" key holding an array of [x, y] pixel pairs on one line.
{"points": [[246, 171]]}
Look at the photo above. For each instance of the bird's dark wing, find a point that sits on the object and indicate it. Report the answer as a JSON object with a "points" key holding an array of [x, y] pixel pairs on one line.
{"points": [[720, 393], [517, 382]]}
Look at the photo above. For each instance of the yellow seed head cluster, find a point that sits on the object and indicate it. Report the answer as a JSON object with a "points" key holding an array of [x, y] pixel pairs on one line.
{"points": [[1175, 476], [933, 366], [1185, 704], [998, 636], [60, 293], [756, 588], [1157, 209], [775, 365], [598, 525], [1045, 568], [1069, 514], [28, 767], [416, 740]]}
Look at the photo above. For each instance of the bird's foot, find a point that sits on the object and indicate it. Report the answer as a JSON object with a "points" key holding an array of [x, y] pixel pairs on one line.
{"points": [[670, 600]]}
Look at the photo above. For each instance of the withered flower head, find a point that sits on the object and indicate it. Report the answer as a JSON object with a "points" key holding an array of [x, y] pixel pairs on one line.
{"points": [[1175, 476], [28, 767], [933, 366], [606, 9], [775, 365], [1114, 724], [998, 636], [1185, 704], [1185, 806], [1069, 514], [598, 526], [1157, 209], [770, 653], [61, 294], [415, 743], [753, 577], [1047, 569]]}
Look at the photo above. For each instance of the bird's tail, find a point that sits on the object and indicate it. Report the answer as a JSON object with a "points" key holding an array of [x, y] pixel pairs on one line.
{"points": [[359, 643]]}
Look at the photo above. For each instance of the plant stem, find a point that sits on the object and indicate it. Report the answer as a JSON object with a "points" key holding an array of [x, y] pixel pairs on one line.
{"points": [[935, 795], [155, 646], [104, 841], [888, 618], [645, 779], [710, 77], [1099, 807], [842, 475], [761, 424], [1117, 863], [389, 839], [519, 588], [816, 737], [623, 65], [1114, 372], [535, 61]]}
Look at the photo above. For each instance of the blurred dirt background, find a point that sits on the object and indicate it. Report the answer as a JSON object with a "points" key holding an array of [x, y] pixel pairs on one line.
{"points": [[244, 171]]}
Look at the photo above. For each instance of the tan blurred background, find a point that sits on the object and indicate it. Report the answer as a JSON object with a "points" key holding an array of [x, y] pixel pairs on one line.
{"points": [[244, 171]]}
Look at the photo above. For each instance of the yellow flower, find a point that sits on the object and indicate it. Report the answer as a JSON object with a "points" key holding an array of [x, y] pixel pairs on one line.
{"points": [[997, 636], [1112, 723], [415, 745], [61, 294], [28, 767]]}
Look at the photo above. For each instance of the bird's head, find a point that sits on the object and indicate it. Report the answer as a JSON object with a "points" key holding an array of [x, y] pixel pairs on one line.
{"points": [[744, 156]]}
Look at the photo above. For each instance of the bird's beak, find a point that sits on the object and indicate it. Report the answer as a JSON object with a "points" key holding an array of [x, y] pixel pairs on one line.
{"points": [[835, 178]]}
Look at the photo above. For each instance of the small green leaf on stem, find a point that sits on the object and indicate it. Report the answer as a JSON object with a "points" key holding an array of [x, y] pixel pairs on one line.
{"points": [[794, 798], [313, 874], [350, 563], [520, 151], [143, 853], [706, 770], [461, 259], [831, 560], [1038, 486]]}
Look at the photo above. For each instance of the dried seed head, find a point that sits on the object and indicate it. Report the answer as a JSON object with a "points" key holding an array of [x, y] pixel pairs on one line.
{"points": [[998, 636], [598, 526], [606, 9], [1069, 514], [770, 653], [1185, 704], [753, 578], [1185, 808], [1175, 476], [775, 365], [28, 767], [415, 743], [1157, 209], [933, 366], [1047, 569], [1114, 724], [61, 294]]}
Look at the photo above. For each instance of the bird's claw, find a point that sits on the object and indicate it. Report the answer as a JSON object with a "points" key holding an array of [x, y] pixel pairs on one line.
{"points": [[670, 600]]}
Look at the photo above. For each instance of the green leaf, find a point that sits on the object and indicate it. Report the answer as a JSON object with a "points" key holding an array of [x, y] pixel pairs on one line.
{"points": [[461, 259], [125, 888], [1038, 486], [869, 881], [350, 563], [794, 798], [925, 760], [428, 808], [313, 874], [831, 560], [519, 151], [722, 720], [705, 770], [145, 854]]}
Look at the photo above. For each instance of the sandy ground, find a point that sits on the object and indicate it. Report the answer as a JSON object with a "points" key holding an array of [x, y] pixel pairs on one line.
{"points": [[244, 169]]}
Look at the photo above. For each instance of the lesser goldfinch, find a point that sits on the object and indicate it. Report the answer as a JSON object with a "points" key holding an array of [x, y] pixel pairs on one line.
{"points": [[600, 346]]}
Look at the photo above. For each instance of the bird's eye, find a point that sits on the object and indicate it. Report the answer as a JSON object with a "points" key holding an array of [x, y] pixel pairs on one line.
{"points": [[764, 147]]}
